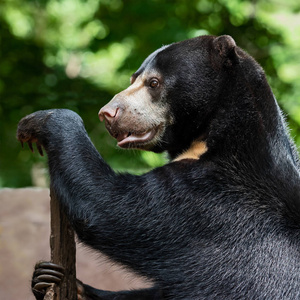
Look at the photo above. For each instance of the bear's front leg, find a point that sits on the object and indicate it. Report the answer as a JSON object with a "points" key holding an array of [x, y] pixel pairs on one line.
{"points": [[126, 217], [48, 127]]}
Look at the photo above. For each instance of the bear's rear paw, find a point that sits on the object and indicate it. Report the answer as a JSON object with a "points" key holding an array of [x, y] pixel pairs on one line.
{"points": [[45, 275]]}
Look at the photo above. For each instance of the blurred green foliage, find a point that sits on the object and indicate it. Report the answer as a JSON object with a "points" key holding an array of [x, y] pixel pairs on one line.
{"points": [[77, 54]]}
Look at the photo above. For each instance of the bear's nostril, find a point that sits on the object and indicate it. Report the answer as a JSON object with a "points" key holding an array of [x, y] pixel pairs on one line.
{"points": [[108, 114]]}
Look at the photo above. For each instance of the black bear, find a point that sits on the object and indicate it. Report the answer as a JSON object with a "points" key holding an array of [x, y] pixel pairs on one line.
{"points": [[221, 220]]}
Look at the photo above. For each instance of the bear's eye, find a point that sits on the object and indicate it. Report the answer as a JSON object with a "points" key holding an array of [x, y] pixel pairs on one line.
{"points": [[154, 83]]}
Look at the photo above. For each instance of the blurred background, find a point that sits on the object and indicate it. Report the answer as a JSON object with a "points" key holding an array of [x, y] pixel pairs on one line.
{"points": [[77, 54]]}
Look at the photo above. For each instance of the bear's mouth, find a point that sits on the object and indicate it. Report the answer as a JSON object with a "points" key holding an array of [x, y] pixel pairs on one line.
{"points": [[133, 139]]}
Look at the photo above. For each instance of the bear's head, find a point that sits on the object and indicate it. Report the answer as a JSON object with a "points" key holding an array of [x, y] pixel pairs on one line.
{"points": [[175, 94]]}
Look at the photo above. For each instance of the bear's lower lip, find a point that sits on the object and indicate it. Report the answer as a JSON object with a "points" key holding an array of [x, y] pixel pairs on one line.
{"points": [[131, 139]]}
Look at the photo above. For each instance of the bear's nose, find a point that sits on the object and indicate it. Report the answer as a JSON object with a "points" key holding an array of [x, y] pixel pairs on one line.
{"points": [[108, 113]]}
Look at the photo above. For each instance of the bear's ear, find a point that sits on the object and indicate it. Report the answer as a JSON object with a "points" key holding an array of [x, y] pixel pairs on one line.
{"points": [[226, 48]]}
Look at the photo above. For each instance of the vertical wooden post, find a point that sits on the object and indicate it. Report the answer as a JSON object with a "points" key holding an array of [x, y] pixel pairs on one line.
{"points": [[63, 250]]}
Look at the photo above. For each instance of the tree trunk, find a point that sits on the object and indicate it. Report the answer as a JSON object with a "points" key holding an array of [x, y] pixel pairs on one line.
{"points": [[63, 251]]}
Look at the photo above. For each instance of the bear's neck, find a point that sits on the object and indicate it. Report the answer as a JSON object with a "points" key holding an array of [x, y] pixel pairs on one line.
{"points": [[247, 125], [253, 131]]}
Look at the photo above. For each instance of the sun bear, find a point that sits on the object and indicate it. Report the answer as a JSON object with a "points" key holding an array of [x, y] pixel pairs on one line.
{"points": [[221, 220]]}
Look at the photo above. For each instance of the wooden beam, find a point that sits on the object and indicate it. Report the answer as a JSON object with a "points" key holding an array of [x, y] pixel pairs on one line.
{"points": [[63, 251]]}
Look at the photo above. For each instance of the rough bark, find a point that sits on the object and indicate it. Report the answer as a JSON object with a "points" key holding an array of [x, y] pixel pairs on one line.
{"points": [[50, 293]]}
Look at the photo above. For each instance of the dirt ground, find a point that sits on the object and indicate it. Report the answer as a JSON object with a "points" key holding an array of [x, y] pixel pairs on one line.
{"points": [[24, 239]]}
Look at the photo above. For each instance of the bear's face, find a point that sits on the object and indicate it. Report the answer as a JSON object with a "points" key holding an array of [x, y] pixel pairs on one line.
{"points": [[137, 117], [170, 98]]}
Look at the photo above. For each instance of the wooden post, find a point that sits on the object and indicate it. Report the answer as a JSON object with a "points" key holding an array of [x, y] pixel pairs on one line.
{"points": [[63, 252]]}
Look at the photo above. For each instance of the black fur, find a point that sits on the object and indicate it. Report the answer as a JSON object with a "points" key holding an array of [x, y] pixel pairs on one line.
{"points": [[225, 226]]}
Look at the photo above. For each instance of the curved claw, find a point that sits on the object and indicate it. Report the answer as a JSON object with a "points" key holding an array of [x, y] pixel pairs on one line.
{"points": [[49, 265], [40, 149], [30, 146], [48, 278], [55, 273], [41, 286]]}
